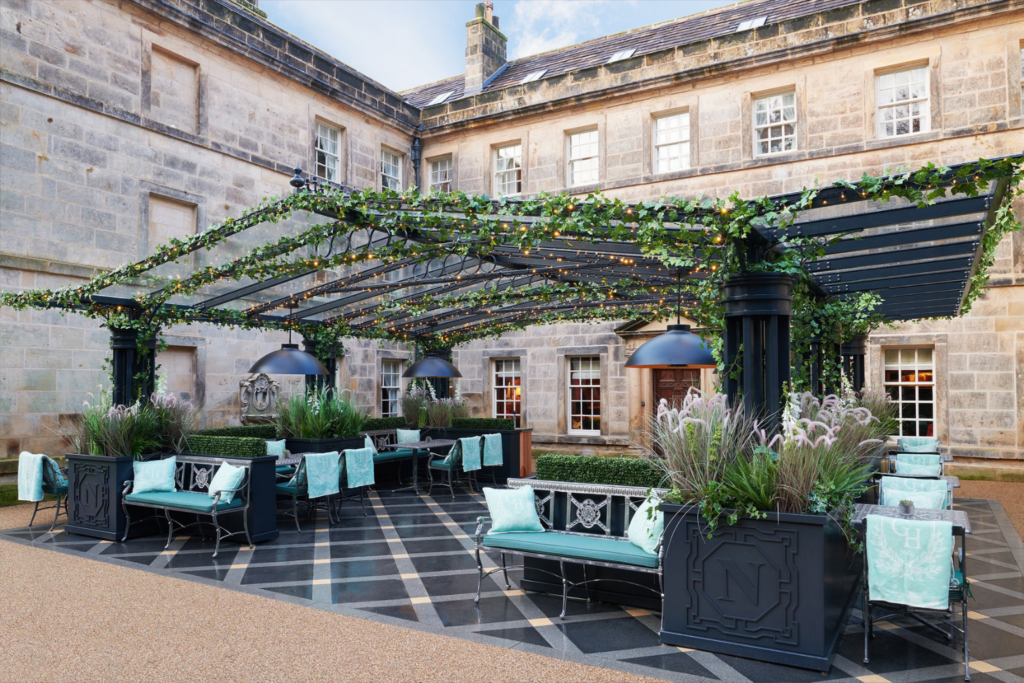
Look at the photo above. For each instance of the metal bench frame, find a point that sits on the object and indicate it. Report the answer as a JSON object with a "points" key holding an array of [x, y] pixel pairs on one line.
{"points": [[583, 512], [200, 473]]}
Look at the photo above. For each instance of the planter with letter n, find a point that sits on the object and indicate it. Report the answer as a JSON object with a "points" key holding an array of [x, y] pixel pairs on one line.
{"points": [[778, 589]]}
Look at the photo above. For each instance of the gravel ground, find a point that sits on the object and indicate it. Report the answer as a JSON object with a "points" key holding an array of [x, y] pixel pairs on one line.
{"points": [[1010, 494], [72, 619]]}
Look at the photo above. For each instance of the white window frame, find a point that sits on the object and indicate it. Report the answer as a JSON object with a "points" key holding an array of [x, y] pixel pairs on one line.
{"points": [[908, 393], [779, 111], [663, 126], [441, 174], [1022, 78], [920, 98], [390, 168], [507, 373], [330, 149], [507, 165], [583, 157], [590, 363], [390, 387]]}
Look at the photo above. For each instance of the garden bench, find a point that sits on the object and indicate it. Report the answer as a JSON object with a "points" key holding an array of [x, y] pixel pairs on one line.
{"points": [[192, 477], [601, 512]]}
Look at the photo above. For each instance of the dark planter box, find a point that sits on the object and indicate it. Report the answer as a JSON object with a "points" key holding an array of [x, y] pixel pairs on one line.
{"points": [[322, 445], [514, 444], [95, 484], [777, 590]]}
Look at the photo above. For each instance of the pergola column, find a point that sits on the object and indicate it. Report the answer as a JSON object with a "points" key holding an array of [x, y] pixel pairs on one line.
{"points": [[758, 307], [134, 369], [322, 382], [854, 353]]}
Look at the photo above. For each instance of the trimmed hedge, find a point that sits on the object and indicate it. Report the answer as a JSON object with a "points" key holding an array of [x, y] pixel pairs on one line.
{"points": [[484, 423], [595, 469], [376, 424], [227, 446], [245, 431]]}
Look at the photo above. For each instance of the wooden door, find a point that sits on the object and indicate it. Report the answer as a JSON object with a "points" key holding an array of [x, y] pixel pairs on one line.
{"points": [[672, 384]]}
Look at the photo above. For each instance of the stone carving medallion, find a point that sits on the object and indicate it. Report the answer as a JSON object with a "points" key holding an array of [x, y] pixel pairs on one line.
{"points": [[258, 396]]}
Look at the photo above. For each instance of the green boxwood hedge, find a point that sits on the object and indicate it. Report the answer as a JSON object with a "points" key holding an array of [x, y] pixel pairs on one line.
{"points": [[375, 424], [227, 446], [590, 469], [484, 423], [246, 431]]}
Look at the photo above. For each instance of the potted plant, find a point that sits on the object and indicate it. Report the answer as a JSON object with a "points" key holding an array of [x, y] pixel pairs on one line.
{"points": [[758, 554], [319, 422], [106, 439]]}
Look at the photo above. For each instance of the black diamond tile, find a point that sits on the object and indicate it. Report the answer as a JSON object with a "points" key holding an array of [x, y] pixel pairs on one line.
{"points": [[140, 559], [522, 634], [300, 591], [363, 569], [989, 642], [433, 545], [407, 612], [282, 554], [489, 611], [1015, 584], [288, 573], [368, 591], [1012, 619], [421, 520], [678, 662], [362, 534], [218, 574], [986, 598], [140, 545], [414, 532], [976, 677], [346, 550], [890, 652], [206, 559], [441, 563], [551, 605], [608, 635], [454, 584], [763, 671]]}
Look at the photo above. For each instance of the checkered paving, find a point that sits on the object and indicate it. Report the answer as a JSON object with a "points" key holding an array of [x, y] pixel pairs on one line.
{"points": [[410, 563]]}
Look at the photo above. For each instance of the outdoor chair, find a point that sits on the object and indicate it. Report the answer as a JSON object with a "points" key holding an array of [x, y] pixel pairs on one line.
{"points": [[909, 572], [355, 478], [45, 477], [493, 455], [316, 494], [454, 461], [935, 494], [919, 464]]}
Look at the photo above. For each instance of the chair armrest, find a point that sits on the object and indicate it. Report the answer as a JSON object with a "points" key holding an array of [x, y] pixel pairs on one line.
{"points": [[479, 533], [127, 487]]}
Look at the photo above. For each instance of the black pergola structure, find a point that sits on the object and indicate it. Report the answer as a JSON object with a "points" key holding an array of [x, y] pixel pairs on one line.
{"points": [[918, 259]]}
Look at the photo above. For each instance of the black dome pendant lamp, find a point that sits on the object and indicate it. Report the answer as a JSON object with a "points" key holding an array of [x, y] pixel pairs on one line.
{"points": [[289, 360], [678, 347], [432, 366]]}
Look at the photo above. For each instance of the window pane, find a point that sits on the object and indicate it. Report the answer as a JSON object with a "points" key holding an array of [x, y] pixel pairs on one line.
{"points": [[909, 382], [584, 394], [507, 391], [770, 137]]}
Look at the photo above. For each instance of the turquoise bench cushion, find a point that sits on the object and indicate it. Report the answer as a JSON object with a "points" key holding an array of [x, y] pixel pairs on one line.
{"points": [[385, 456], [288, 489], [442, 464], [285, 469], [599, 548], [183, 500]]}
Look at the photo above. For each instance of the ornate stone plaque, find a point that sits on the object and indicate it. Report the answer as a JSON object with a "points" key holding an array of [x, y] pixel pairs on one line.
{"points": [[258, 396]]}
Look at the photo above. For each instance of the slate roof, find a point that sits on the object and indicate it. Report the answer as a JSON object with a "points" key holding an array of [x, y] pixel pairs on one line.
{"points": [[646, 40]]}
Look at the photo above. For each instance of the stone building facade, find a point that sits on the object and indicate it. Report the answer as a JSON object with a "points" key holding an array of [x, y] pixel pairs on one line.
{"points": [[125, 122]]}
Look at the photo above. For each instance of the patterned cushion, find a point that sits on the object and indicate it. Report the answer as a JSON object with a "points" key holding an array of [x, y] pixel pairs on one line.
{"points": [[512, 510], [227, 479], [919, 444], [647, 525], [909, 561], [926, 493], [155, 475]]}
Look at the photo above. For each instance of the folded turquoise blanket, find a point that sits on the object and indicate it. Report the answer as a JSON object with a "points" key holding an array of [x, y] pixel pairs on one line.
{"points": [[322, 474], [492, 450], [470, 453], [359, 467], [30, 476]]}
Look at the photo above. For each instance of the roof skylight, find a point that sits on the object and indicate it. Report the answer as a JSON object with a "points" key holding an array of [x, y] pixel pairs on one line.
{"points": [[620, 55], [748, 24], [535, 76], [440, 98]]}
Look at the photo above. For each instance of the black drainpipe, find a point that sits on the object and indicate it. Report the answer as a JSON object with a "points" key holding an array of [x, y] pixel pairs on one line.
{"points": [[415, 157]]}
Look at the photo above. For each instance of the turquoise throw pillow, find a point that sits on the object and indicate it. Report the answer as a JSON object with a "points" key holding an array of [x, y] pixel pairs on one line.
{"points": [[646, 526], [512, 510], [275, 447], [154, 476], [227, 478], [407, 435], [368, 443]]}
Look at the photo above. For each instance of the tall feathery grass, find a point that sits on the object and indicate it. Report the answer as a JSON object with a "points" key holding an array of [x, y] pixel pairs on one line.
{"points": [[320, 414]]}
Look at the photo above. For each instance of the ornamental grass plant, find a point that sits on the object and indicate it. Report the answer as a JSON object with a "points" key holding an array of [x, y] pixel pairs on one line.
{"points": [[320, 414]]}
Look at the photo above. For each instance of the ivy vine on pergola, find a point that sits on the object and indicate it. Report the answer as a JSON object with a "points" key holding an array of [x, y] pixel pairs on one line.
{"points": [[442, 269]]}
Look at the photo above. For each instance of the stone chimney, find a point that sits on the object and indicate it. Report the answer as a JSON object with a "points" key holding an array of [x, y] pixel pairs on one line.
{"points": [[485, 47]]}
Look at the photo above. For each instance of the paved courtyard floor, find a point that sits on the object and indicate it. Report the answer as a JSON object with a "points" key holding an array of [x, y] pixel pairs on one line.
{"points": [[408, 564]]}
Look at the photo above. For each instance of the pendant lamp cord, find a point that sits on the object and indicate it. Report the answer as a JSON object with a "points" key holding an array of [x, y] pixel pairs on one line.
{"points": [[679, 293]]}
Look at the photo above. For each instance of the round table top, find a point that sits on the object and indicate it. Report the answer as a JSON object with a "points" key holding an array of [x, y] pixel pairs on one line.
{"points": [[421, 445]]}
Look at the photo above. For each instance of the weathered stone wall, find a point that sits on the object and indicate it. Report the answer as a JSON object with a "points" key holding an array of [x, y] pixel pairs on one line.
{"points": [[102, 158]]}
